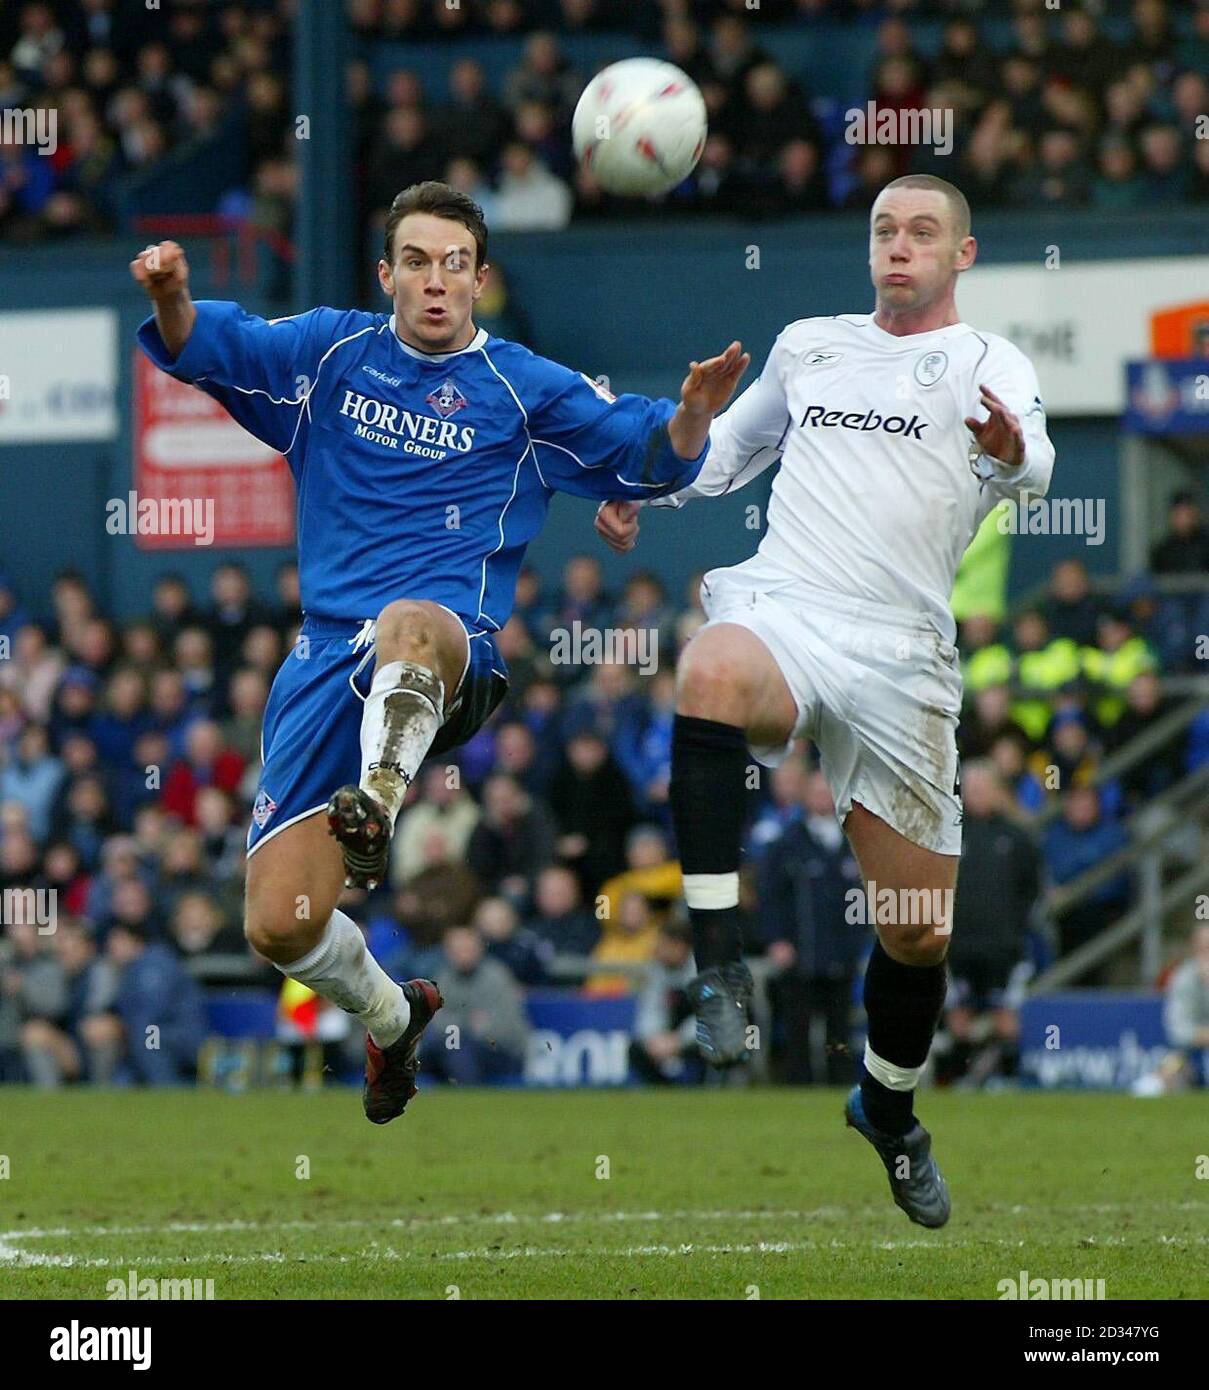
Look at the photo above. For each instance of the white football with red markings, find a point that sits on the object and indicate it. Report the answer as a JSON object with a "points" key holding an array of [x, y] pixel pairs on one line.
{"points": [[639, 127]]}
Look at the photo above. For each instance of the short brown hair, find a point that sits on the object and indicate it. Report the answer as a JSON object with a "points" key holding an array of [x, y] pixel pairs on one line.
{"points": [[439, 200], [955, 197]]}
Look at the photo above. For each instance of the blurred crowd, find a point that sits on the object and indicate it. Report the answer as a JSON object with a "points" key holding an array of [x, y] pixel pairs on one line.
{"points": [[541, 852], [1058, 116]]}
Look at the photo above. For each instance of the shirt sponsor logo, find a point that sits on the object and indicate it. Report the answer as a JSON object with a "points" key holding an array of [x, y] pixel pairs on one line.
{"points": [[863, 421], [395, 428]]}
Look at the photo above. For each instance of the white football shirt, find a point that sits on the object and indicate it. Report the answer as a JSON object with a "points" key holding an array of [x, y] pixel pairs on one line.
{"points": [[881, 485]]}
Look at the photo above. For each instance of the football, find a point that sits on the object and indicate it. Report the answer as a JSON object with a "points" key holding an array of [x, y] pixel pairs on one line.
{"points": [[639, 127]]}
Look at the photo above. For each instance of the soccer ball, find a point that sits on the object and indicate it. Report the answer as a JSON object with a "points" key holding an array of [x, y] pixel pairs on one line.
{"points": [[640, 127]]}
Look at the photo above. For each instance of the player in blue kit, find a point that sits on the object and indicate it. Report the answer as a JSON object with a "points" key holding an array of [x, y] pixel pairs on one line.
{"points": [[424, 453]]}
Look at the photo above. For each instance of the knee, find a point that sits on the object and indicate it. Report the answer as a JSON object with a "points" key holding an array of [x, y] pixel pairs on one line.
{"points": [[407, 631], [713, 686], [919, 944], [278, 934]]}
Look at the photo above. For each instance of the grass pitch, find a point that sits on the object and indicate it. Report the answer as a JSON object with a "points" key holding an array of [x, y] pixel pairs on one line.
{"points": [[618, 1195]]}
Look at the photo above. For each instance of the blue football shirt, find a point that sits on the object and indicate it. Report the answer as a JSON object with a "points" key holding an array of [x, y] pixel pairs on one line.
{"points": [[420, 475]]}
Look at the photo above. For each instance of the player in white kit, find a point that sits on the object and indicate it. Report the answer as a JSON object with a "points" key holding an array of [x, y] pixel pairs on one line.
{"points": [[896, 433]]}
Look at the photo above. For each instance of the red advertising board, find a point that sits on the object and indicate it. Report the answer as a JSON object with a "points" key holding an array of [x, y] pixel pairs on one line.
{"points": [[186, 446]]}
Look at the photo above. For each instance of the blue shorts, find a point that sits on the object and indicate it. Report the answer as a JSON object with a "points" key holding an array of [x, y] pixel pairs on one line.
{"points": [[311, 741]]}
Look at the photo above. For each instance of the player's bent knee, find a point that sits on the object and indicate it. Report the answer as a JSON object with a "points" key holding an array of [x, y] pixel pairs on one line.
{"points": [[714, 687], [406, 629], [279, 936], [916, 944]]}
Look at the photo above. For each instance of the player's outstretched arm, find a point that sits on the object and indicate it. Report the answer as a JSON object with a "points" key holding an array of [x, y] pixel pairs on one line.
{"points": [[706, 389], [163, 272]]}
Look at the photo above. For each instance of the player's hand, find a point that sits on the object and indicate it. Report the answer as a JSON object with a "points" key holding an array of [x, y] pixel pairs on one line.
{"points": [[1000, 435], [162, 270], [710, 384], [617, 525]]}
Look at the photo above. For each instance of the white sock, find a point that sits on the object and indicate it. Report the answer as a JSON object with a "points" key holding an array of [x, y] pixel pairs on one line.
{"points": [[403, 711], [892, 1076], [341, 969]]}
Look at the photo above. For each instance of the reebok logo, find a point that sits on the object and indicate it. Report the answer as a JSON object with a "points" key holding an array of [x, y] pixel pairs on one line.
{"points": [[863, 420]]}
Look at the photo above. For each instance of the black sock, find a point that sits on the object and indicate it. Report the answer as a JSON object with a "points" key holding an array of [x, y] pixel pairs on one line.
{"points": [[903, 1004], [709, 806]]}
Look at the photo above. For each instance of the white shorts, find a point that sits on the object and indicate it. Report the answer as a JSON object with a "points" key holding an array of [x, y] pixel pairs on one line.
{"points": [[877, 689]]}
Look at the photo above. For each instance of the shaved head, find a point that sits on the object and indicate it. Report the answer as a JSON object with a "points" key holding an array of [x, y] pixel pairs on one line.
{"points": [[959, 209]]}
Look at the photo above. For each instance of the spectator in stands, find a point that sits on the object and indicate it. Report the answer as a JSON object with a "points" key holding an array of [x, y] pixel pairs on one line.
{"points": [[53, 1045], [516, 754], [1083, 839], [443, 810], [524, 953], [32, 779], [543, 76], [248, 695], [642, 745], [407, 153], [1071, 756], [531, 198], [664, 1046], [1026, 789], [233, 613], [182, 868], [85, 819], [74, 709], [806, 882], [964, 58], [1044, 667], [207, 763], [684, 46], [1185, 547], [467, 177], [484, 1031], [1145, 707], [158, 1013], [63, 873], [998, 886], [473, 124], [560, 921], [512, 840], [172, 608], [1167, 174], [1186, 1016], [593, 809], [206, 941], [628, 937], [1070, 608], [1111, 665], [193, 656], [33, 670], [1118, 182]]}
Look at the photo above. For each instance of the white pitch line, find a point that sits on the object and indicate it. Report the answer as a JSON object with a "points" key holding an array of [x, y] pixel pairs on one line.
{"points": [[510, 1218]]}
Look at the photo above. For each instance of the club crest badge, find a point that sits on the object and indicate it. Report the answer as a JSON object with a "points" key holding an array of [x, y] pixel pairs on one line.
{"points": [[931, 367], [446, 400], [263, 808]]}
